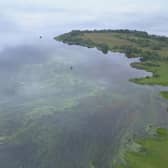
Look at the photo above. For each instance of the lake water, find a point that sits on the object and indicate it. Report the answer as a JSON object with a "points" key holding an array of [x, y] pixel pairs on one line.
{"points": [[69, 106]]}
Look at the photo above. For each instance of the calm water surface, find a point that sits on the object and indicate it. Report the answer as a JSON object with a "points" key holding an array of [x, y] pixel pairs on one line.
{"points": [[68, 106]]}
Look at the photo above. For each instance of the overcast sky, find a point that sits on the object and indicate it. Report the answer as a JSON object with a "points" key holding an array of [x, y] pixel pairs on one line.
{"points": [[57, 16]]}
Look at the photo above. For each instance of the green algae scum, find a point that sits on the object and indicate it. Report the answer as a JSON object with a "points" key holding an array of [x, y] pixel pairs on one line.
{"points": [[75, 107]]}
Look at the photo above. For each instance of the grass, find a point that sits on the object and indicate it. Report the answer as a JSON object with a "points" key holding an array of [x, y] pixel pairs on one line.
{"points": [[164, 94], [159, 70], [152, 49], [138, 43], [152, 154]]}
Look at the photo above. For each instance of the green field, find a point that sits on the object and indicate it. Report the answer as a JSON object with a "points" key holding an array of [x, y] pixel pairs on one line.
{"points": [[164, 94], [152, 49], [159, 70], [152, 152]]}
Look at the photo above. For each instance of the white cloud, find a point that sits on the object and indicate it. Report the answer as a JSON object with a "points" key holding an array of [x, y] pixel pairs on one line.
{"points": [[45, 15], [90, 5]]}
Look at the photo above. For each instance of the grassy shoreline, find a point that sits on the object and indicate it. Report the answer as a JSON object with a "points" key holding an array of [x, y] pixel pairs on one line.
{"points": [[152, 150], [148, 152], [152, 49], [164, 94]]}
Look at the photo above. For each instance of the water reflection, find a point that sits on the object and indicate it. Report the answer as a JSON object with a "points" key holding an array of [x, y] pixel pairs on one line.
{"points": [[53, 114]]}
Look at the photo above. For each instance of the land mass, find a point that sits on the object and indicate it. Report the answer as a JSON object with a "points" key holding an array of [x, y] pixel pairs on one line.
{"points": [[150, 151], [152, 50]]}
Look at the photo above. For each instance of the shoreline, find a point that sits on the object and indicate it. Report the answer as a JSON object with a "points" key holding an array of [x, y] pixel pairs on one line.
{"points": [[137, 149], [151, 58]]}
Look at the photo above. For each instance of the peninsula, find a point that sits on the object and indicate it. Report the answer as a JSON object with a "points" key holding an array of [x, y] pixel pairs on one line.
{"points": [[152, 50]]}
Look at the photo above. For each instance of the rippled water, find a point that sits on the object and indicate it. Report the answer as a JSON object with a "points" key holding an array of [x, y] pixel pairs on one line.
{"points": [[68, 106]]}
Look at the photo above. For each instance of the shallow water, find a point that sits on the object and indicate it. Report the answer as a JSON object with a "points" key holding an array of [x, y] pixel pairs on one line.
{"points": [[69, 106]]}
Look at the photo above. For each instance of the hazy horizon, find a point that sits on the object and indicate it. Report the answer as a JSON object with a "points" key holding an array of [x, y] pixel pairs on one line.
{"points": [[50, 18]]}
